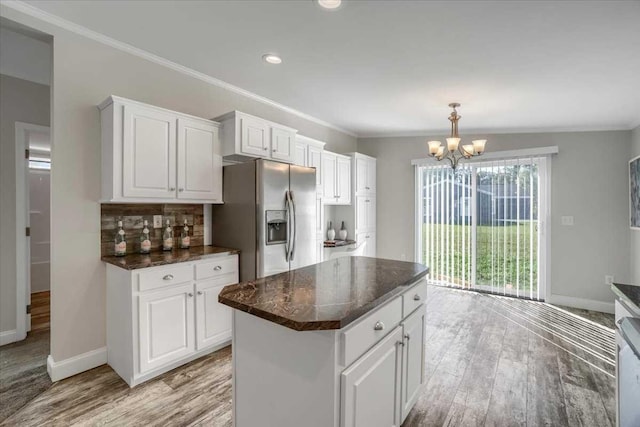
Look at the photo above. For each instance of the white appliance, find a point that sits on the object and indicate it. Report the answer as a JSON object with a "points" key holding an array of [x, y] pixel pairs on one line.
{"points": [[629, 372], [269, 214]]}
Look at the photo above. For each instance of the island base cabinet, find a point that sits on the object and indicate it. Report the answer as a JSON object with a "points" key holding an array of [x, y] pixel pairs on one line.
{"points": [[412, 360], [166, 326], [370, 386]]}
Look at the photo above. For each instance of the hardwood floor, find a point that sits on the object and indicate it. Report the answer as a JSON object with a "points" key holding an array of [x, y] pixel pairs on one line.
{"points": [[489, 361], [40, 311]]}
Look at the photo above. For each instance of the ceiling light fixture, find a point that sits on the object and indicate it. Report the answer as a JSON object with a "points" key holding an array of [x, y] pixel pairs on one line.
{"points": [[440, 152], [272, 58], [329, 4]]}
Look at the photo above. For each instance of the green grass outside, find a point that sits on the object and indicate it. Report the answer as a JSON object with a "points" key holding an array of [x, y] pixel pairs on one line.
{"points": [[500, 264]]}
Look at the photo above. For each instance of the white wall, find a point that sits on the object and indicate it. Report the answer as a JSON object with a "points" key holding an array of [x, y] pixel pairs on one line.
{"points": [[20, 101], [635, 234], [589, 182], [85, 72], [25, 57]]}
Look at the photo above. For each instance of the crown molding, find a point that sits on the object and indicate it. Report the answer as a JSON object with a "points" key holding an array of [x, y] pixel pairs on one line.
{"points": [[496, 131], [40, 14]]}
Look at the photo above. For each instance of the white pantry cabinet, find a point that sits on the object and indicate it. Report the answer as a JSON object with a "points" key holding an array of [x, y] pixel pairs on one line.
{"points": [[150, 154], [245, 137], [336, 179], [161, 317]]}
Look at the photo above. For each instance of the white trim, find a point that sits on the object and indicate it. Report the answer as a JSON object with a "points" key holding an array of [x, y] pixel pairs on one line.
{"points": [[101, 38], [583, 303], [497, 155], [7, 337], [76, 364]]}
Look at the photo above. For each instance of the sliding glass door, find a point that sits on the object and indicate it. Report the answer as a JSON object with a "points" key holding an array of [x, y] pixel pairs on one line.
{"points": [[479, 227]]}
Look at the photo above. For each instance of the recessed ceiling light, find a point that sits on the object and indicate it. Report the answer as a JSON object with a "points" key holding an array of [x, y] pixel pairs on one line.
{"points": [[272, 58], [329, 4]]}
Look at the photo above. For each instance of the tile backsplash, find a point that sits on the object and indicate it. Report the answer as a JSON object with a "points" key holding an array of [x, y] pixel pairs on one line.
{"points": [[132, 217]]}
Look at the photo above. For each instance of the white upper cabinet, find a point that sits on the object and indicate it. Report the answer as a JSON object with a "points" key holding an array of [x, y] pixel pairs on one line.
{"points": [[199, 161], [245, 137], [309, 153], [365, 174], [150, 154], [254, 136], [336, 179]]}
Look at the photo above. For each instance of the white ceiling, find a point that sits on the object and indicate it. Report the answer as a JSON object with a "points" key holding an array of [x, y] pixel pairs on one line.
{"points": [[391, 67]]}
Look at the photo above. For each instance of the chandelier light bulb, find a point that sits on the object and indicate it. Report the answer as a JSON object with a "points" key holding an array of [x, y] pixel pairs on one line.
{"points": [[452, 143], [434, 146]]}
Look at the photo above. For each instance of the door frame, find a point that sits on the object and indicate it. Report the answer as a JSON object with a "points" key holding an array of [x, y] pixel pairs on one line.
{"points": [[23, 242]]}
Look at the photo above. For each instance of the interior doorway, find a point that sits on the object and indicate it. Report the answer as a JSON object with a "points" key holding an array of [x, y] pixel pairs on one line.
{"points": [[33, 219]]}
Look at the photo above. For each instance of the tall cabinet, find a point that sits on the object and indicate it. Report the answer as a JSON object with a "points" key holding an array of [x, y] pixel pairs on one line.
{"points": [[360, 216], [308, 153]]}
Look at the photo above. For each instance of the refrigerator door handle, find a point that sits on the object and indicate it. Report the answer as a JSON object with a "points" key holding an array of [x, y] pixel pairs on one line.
{"points": [[289, 219], [293, 239]]}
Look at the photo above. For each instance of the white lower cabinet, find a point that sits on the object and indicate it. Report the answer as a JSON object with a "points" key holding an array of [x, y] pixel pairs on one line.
{"points": [[166, 323], [370, 386], [370, 245], [159, 318], [381, 387], [214, 319]]}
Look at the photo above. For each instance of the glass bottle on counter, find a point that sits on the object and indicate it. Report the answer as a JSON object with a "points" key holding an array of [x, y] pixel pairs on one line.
{"points": [[120, 241], [185, 240], [167, 238], [145, 239]]}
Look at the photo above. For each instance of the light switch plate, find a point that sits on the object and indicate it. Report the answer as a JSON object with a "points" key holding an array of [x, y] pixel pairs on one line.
{"points": [[567, 220], [157, 221], [608, 280]]}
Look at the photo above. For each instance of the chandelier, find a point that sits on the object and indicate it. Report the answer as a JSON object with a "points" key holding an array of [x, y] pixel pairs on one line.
{"points": [[454, 152]]}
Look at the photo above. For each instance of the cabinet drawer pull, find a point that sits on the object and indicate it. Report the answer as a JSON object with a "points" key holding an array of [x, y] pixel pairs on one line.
{"points": [[199, 292], [367, 188], [367, 201], [416, 297], [378, 326], [367, 236], [190, 294], [172, 189], [168, 277], [181, 189], [400, 343], [217, 268], [265, 148]]}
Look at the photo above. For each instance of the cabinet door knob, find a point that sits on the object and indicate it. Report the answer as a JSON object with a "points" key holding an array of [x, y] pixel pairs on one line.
{"points": [[265, 148], [416, 297], [190, 294], [367, 188], [367, 201], [274, 150], [168, 277], [199, 292], [217, 268], [181, 189], [172, 188], [400, 343], [378, 326], [407, 336], [367, 236]]}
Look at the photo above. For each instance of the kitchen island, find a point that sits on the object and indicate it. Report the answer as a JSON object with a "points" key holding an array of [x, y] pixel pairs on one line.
{"points": [[340, 343]]}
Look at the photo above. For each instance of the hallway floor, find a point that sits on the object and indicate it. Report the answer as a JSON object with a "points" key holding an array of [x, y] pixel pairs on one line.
{"points": [[489, 361]]}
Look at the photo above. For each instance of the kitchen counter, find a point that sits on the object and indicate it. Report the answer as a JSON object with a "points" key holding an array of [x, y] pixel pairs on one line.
{"points": [[630, 294], [135, 261], [324, 296]]}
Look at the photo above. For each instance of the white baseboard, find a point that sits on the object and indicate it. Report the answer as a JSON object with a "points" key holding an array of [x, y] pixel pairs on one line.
{"points": [[76, 364], [584, 303], [7, 337]]}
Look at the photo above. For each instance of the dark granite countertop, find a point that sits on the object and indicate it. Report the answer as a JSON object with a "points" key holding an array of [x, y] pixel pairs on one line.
{"points": [[135, 261], [629, 293], [329, 295]]}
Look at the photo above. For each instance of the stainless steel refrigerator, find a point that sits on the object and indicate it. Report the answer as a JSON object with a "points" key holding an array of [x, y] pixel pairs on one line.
{"points": [[269, 214]]}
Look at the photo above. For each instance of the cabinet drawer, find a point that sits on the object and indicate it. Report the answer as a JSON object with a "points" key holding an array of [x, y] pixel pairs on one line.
{"points": [[369, 330], [621, 312], [217, 267], [158, 278], [414, 297]]}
